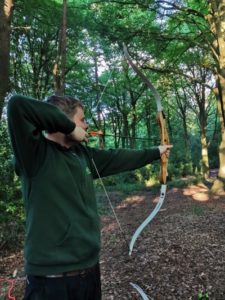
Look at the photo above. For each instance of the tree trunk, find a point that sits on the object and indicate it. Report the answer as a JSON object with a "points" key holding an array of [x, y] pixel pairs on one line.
{"points": [[203, 123], [100, 117], [217, 24], [205, 157], [125, 131], [147, 119], [218, 184], [59, 68], [133, 121], [6, 8]]}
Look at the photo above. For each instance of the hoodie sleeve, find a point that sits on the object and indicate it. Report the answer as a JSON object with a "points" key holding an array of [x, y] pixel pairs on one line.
{"points": [[114, 161], [27, 118]]}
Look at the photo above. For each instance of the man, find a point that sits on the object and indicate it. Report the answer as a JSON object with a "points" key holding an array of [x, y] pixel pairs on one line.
{"points": [[62, 223]]}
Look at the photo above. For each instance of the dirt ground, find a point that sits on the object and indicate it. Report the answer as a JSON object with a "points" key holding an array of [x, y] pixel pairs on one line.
{"points": [[178, 255]]}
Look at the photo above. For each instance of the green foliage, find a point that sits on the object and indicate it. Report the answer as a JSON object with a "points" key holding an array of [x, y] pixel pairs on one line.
{"points": [[180, 169], [180, 162], [11, 204], [184, 182]]}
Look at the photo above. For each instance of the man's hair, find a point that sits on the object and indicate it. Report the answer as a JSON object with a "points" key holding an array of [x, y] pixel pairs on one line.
{"points": [[67, 104]]}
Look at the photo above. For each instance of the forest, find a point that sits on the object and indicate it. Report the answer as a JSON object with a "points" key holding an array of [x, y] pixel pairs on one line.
{"points": [[78, 48]]}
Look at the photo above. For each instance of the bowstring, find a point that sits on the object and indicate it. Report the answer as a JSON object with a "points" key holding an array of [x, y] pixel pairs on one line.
{"points": [[111, 205]]}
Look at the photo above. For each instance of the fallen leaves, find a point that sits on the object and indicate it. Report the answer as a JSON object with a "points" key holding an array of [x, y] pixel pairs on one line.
{"points": [[179, 254]]}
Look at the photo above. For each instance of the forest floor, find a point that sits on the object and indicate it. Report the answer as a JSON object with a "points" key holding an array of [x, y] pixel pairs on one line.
{"points": [[178, 255]]}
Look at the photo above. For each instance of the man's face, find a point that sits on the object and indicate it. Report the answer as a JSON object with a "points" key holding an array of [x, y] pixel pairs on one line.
{"points": [[79, 118]]}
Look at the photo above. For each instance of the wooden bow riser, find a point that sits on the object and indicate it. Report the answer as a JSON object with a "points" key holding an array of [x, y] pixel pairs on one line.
{"points": [[164, 140]]}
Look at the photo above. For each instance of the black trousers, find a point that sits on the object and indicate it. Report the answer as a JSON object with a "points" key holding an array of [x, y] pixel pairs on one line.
{"points": [[79, 287]]}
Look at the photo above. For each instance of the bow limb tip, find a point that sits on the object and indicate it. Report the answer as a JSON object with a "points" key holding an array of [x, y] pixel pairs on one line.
{"points": [[139, 290]]}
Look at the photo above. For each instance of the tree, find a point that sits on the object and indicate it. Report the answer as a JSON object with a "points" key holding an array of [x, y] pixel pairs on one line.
{"points": [[216, 19], [199, 96], [59, 69], [6, 10]]}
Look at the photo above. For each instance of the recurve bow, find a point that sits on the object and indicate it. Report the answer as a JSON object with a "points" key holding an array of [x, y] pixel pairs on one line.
{"points": [[164, 140]]}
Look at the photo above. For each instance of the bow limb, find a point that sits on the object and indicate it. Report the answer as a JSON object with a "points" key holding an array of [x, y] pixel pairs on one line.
{"points": [[140, 291], [164, 141], [144, 78], [148, 219]]}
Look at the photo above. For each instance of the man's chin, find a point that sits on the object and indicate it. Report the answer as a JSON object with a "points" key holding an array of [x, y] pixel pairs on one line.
{"points": [[71, 141]]}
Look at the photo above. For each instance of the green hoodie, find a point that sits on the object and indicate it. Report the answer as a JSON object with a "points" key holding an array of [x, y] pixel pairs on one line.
{"points": [[62, 221]]}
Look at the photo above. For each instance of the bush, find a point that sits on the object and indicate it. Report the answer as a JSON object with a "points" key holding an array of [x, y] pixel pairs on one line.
{"points": [[11, 204]]}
